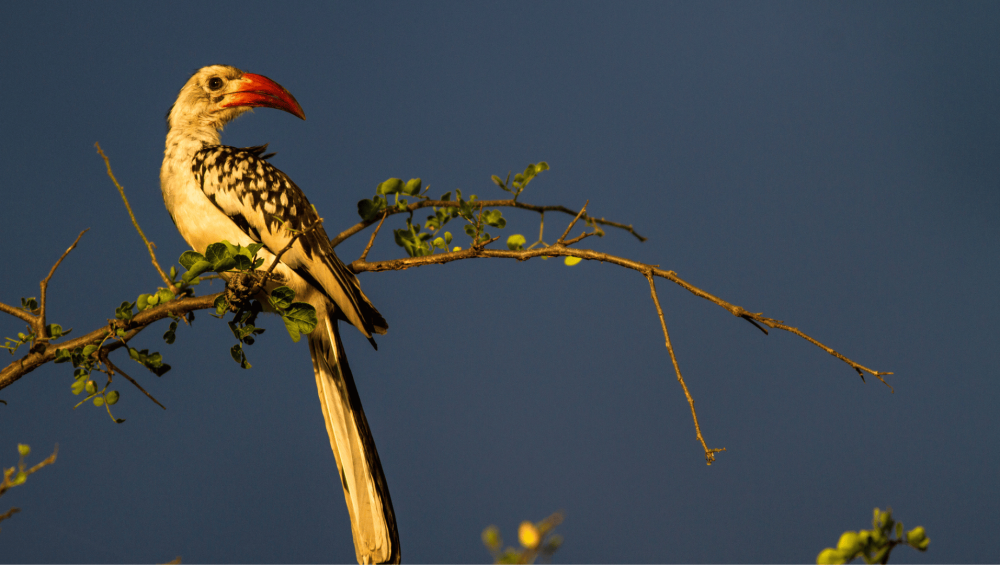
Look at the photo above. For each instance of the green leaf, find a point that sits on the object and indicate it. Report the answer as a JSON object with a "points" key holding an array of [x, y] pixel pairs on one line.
{"points": [[221, 305], [281, 298], [446, 196], [98, 401], [412, 187], [112, 397], [164, 295], [90, 387], [55, 330], [498, 181], [300, 318], [389, 186], [189, 258], [19, 479], [77, 386], [23, 449], [516, 242], [570, 261], [242, 262], [173, 272], [89, 350], [124, 312], [62, 356], [142, 302], [239, 356], [170, 336], [220, 256]]}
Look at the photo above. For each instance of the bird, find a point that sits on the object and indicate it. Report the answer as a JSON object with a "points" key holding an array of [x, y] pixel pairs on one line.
{"points": [[214, 192]]}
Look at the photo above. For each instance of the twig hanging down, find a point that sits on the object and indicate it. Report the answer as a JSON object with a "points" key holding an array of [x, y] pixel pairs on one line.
{"points": [[709, 453]]}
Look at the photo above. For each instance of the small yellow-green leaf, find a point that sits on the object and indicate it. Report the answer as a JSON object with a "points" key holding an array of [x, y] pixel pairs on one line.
{"points": [[516, 242], [112, 397], [570, 261], [98, 401], [491, 538], [23, 449], [830, 556]]}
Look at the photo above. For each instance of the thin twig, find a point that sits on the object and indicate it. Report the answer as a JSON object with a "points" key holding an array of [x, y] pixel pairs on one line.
{"points": [[114, 369], [149, 245], [573, 223], [578, 238], [44, 286], [709, 453], [6, 483], [489, 203], [9, 513], [371, 241]]}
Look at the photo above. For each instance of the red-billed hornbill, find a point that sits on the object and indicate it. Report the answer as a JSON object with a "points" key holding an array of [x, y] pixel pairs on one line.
{"points": [[214, 193]]}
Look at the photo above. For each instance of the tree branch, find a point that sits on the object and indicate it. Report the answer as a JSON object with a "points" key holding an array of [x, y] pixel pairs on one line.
{"points": [[149, 245], [389, 211], [18, 313], [360, 266], [139, 322]]}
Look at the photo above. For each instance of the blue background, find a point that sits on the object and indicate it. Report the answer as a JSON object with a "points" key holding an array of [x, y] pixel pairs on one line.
{"points": [[835, 165]]}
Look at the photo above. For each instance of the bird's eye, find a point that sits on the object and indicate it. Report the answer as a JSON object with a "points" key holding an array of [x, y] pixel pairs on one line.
{"points": [[215, 83]]}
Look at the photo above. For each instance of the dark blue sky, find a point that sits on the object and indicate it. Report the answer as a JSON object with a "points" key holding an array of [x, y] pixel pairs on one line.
{"points": [[834, 165]]}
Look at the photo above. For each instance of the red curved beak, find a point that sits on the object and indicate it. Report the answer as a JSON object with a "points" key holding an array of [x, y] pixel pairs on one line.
{"points": [[260, 91]]}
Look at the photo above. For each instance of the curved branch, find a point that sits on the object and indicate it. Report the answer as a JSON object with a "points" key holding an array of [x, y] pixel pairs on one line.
{"points": [[389, 211], [139, 322], [360, 266]]}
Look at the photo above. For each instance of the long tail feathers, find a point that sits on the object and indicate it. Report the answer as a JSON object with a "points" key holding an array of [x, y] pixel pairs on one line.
{"points": [[372, 519]]}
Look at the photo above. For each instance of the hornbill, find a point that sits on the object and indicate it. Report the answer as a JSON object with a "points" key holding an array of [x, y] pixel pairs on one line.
{"points": [[213, 193]]}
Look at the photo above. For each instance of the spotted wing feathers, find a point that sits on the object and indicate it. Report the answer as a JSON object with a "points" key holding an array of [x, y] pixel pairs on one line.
{"points": [[269, 208]]}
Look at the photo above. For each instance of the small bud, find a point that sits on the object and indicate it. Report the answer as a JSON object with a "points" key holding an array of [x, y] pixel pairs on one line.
{"points": [[491, 538], [24, 450], [528, 535]]}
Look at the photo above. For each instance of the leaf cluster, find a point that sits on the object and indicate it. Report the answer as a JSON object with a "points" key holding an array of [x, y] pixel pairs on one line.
{"points": [[875, 545], [521, 180], [420, 241], [241, 265], [536, 539]]}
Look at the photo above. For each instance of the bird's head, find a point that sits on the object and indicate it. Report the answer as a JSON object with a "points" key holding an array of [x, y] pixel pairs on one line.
{"points": [[216, 95]]}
